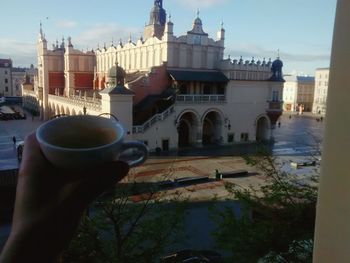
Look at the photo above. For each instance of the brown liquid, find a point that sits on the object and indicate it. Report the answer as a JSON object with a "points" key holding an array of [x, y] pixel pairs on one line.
{"points": [[88, 138]]}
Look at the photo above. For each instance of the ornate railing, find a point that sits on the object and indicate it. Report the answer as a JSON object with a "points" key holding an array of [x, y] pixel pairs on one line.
{"points": [[89, 103], [158, 117], [201, 98]]}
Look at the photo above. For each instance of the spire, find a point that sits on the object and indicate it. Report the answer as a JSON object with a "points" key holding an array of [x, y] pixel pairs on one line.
{"points": [[197, 27], [62, 44], [130, 40], [221, 32], [69, 39], [41, 34], [41, 28], [278, 53], [157, 21], [197, 13]]}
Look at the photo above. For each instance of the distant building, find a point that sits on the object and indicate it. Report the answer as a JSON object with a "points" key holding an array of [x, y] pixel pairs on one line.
{"points": [[298, 92], [5, 77], [18, 78], [168, 91], [321, 90]]}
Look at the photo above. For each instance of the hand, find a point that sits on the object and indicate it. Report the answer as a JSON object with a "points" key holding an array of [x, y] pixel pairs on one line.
{"points": [[50, 202]]}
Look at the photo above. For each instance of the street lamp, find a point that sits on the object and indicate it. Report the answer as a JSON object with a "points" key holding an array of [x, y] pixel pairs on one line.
{"points": [[84, 110]]}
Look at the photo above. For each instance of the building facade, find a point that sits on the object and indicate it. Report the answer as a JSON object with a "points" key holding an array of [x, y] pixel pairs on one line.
{"points": [[298, 93], [321, 90], [168, 91], [5, 77], [19, 78]]}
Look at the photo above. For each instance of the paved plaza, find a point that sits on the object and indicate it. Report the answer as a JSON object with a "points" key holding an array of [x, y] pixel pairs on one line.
{"points": [[20, 129]]}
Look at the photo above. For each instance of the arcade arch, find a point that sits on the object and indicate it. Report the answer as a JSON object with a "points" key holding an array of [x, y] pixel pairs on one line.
{"points": [[188, 127], [262, 129], [212, 127]]}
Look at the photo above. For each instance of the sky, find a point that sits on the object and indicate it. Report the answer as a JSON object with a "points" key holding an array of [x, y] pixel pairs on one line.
{"points": [[300, 29]]}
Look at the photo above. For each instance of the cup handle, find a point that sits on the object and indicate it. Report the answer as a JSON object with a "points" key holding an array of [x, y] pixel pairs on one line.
{"points": [[136, 145]]}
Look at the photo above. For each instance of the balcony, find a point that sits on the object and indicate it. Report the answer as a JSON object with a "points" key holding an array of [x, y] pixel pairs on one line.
{"points": [[275, 106], [201, 98], [274, 111]]}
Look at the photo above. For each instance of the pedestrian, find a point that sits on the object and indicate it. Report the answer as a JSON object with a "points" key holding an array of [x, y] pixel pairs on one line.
{"points": [[279, 124], [290, 116], [321, 118], [14, 140]]}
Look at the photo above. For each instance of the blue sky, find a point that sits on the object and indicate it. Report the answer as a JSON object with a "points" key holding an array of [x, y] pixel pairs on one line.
{"points": [[300, 29]]}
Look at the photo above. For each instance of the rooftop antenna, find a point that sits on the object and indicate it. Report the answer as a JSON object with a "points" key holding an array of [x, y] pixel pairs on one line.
{"points": [[198, 13], [278, 53]]}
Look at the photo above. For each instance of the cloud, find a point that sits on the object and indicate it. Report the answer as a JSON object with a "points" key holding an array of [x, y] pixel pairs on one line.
{"points": [[201, 3], [104, 33], [66, 23], [21, 53]]}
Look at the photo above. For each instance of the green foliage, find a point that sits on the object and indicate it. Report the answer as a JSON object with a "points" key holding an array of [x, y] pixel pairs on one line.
{"points": [[122, 231], [273, 215]]}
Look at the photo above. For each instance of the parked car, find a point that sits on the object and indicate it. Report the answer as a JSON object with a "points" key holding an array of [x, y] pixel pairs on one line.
{"points": [[193, 256]]}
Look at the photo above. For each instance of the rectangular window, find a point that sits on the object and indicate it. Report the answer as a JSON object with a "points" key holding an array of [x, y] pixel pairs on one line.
{"points": [[165, 145], [221, 90], [244, 137], [5, 72], [6, 89], [6, 81], [275, 95], [231, 137]]}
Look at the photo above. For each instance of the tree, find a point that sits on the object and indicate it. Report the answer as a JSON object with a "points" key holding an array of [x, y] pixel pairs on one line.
{"points": [[119, 230], [274, 216]]}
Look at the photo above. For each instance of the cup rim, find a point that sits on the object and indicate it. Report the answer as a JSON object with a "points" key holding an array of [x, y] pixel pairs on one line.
{"points": [[41, 141]]}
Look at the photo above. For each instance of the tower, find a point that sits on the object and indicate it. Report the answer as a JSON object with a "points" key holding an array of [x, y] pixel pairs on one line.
{"points": [[43, 73], [221, 34], [155, 27], [169, 30]]}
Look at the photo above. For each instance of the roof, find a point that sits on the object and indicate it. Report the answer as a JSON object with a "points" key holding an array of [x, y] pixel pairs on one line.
{"points": [[19, 70], [117, 90], [294, 78], [203, 76], [5, 63], [306, 79]]}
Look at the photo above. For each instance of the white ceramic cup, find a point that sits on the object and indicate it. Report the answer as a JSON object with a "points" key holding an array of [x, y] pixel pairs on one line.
{"points": [[78, 142]]}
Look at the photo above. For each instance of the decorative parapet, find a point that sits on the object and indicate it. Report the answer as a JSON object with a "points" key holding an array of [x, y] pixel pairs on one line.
{"points": [[89, 103], [246, 70]]}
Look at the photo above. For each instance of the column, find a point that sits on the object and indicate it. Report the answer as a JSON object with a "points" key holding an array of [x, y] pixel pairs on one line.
{"points": [[199, 134], [332, 232]]}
